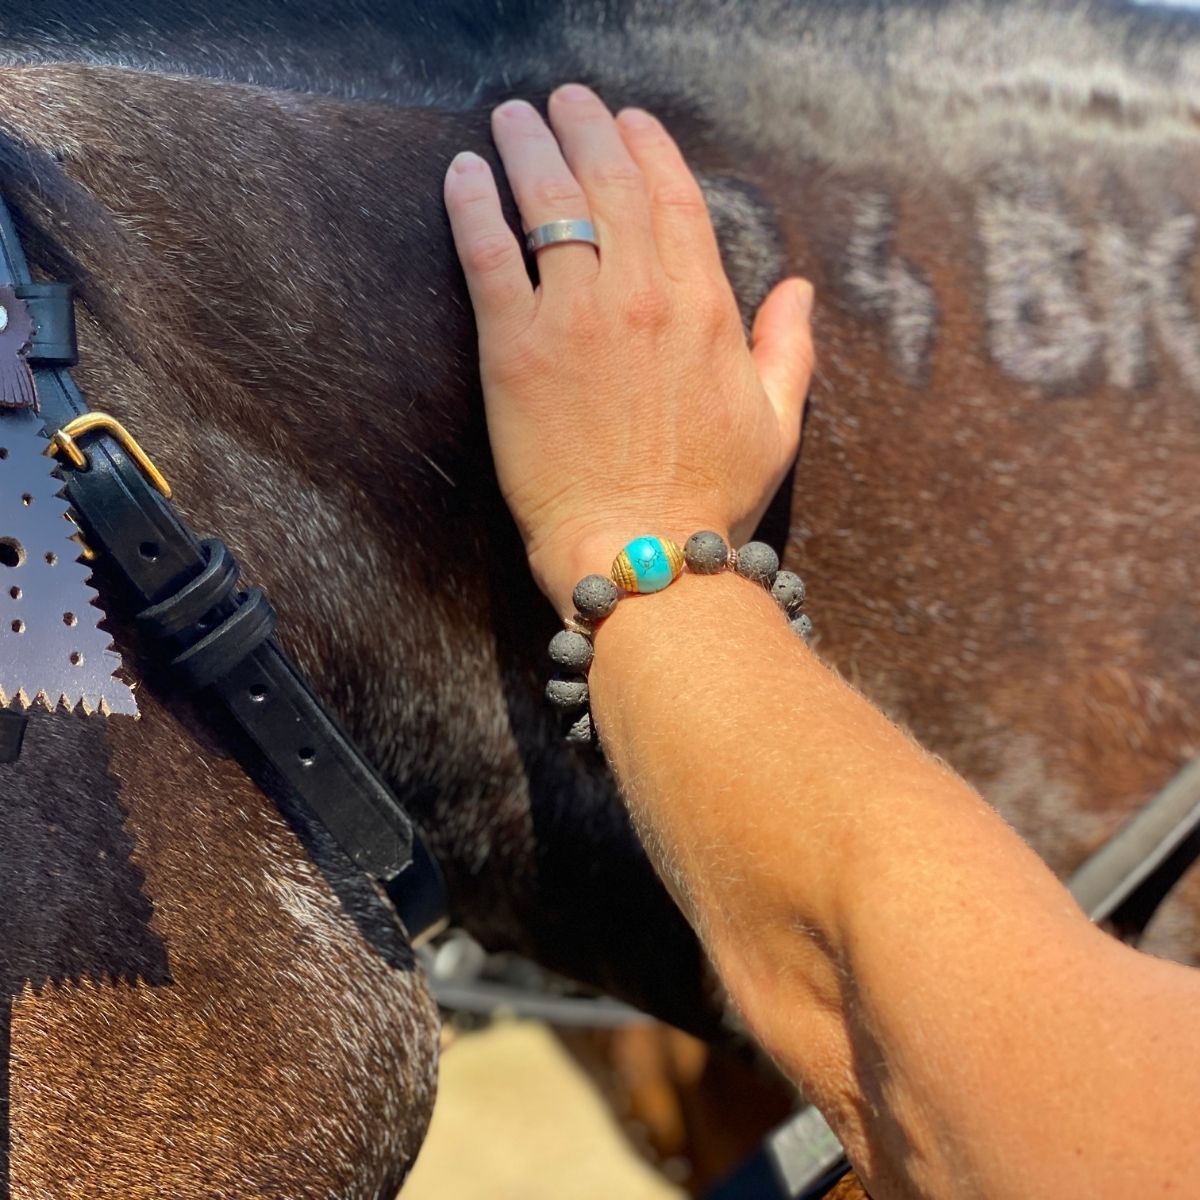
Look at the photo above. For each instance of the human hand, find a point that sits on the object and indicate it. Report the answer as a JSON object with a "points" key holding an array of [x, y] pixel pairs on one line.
{"points": [[621, 395]]}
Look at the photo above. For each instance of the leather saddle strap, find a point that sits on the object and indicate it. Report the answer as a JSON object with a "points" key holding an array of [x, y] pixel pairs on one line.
{"points": [[165, 567]]}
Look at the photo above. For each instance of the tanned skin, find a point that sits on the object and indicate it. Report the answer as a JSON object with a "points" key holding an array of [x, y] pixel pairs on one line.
{"points": [[895, 946]]}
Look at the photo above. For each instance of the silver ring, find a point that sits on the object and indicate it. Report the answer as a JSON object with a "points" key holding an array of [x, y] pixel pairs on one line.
{"points": [[554, 233]]}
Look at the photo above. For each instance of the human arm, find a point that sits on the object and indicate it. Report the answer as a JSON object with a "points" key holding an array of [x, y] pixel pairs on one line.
{"points": [[893, 945], [890, 941]]}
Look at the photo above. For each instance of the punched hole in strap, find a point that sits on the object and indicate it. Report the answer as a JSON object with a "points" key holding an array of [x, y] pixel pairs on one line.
{"points": [[187, 607]]}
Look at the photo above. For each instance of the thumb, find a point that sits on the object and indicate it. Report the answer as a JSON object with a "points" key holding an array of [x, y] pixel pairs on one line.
{"points": [[782, 349]]}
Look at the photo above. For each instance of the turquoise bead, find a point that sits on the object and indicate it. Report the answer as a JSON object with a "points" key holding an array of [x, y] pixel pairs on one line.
{"points": [[648, 564]]}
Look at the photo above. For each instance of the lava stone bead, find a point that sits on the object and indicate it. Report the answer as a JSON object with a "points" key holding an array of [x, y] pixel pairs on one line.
{"points": [[571, 650], [803, 626], [581, 733], [567, 691], [706, 553], [788, 590], [757, 561], [595, 596]]}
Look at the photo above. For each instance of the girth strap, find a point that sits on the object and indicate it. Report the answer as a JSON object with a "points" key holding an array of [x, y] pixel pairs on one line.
{"points": [[217, 638]]}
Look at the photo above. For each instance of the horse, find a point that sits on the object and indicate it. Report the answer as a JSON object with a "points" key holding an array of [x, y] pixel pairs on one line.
{"points": [[993, 506]]}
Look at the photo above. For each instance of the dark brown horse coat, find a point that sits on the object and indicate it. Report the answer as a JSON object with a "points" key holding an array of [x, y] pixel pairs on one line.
{"points": [[994, 507]]}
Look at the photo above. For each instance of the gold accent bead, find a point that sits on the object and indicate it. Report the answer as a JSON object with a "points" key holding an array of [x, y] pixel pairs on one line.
{"points": [[623, 574]]}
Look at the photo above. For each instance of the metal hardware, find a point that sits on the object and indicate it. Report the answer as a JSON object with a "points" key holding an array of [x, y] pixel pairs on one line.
{"points": [[64, 442], [85, 551], [52, 649]]}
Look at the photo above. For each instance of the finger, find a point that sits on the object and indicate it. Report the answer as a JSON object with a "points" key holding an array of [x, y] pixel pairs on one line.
{"points": [[501, 291], [687, 245], [616, 191], [544, 188], [781, 346]]}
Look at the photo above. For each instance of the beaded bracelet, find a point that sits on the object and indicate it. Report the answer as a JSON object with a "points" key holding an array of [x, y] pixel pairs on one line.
{"points": [[649, 564]]}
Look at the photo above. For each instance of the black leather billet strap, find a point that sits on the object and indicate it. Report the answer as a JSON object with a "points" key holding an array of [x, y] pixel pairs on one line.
{"points": [[228, 649]]}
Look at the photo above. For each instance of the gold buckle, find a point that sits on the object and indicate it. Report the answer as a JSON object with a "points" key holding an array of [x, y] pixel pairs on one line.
{"points": [[64, 442]]}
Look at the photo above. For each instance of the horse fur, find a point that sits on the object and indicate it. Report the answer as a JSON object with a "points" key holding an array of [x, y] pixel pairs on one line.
{"points": [[995, 504]]}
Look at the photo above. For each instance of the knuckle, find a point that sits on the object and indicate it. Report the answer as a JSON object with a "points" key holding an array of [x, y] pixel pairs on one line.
{"points": [[518, 356], [807, 367], [490, 252], [718, 314], [647, 309], [615, 176], [682, 195], [556, 194]]}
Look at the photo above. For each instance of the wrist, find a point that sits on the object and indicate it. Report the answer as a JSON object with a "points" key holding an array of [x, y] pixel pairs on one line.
{"points": [[644, 566], [558, 566]]}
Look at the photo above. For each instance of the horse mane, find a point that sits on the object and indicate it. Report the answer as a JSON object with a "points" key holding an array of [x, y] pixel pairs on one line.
{"points": [[66, 231]]}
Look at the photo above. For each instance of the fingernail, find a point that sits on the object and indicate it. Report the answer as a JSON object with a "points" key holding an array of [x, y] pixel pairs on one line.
{"points": [[516, 110], [574, 92], [803, 293], [466, 162], [636, 118]]}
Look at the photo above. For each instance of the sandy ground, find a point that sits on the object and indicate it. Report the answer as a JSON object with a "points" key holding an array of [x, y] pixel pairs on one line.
{"points": [[516, 1119]]}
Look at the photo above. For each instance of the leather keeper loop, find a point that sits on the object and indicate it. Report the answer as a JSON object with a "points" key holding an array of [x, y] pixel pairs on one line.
{"points": [[52, 307], [182, 611], [221, 650]]}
